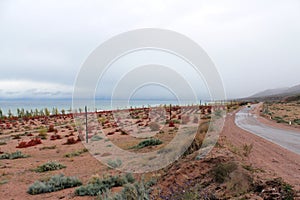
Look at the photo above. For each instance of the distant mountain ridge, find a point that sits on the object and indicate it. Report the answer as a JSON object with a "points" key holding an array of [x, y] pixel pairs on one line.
{"points": [[279, 92]]}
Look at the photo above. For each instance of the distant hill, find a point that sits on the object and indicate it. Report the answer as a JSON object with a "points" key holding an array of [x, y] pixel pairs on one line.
{"points": [[270, 92], [277, 94]]}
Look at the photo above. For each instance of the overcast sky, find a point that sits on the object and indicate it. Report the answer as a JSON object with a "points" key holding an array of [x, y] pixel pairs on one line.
{"points": [[254, 44]]}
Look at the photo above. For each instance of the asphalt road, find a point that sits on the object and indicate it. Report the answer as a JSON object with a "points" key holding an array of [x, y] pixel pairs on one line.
{"points": [[286, 138]]}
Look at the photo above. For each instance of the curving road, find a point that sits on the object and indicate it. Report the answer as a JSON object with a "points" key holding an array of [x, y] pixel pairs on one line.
{"points": [[286, 138]]}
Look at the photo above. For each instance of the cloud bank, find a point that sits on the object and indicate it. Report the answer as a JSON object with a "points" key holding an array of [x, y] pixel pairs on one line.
{"points": [[254, 44], [30, 89]]}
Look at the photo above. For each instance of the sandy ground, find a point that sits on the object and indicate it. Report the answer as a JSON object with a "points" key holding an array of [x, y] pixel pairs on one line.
{"points": [[272, 159]]}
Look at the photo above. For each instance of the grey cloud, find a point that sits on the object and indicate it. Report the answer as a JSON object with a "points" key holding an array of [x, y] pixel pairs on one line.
{"points": [[253, 43]]}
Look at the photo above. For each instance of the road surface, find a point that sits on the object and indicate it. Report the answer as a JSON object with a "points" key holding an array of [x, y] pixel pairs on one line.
{"points": [[285, 138]]}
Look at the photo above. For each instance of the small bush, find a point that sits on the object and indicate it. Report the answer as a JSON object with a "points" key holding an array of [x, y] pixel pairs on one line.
{"points": [[14, 155], [51, 128], [71, 141], [76, 153], [279, 120], [48, 147], [55, 137], [171, 124], [16, 137], [149, 142], [218, 113], [114, 163], [49, 166], [43, 131], [297, 121], [42, 135], [221, 171], [32, 142], [96, 138], [98, 186], [247, 149], [55, 183], [138, 190]]}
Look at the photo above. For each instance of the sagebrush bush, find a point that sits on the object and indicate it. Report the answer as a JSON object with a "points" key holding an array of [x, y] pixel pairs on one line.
{"points": [[14, 155], [222, 170], [98, 186], [76, 153], [43, 135], [55, 183], [96, 138], [148, 142], [247, 149], [49, 166], [131, 191], [114, 163]]}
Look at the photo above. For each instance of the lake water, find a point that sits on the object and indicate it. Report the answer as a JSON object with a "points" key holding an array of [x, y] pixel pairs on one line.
{"points": [[66, 104]]}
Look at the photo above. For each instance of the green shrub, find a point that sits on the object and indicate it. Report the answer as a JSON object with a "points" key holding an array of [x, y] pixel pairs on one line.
{"points": [[149, 142], [297, 121], [43, 134], [222, 170], [98, 186], [55, 183], [279, 120], [96, 138], [42, 131], [218, 113], [49, 166], [14, 155], [136, 191], [114, 163], [247, 149], [76, 153]]}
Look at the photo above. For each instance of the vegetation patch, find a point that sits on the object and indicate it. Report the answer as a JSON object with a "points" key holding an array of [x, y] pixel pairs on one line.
{"points": [[98, 186], [297, 121], [49, 166], [71, 141], [96, 138], [114, 163], [14, 155], [48, 147], [32, 142], [55, 183], [131, 191], [222, 170], [247, 149], [148, 142], [76, 153]]}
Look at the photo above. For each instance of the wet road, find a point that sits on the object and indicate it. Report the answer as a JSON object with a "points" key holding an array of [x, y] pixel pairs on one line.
{"points": [[286, 138]]}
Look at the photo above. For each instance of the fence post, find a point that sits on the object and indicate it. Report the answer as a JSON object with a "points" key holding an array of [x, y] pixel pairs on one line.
{"points": [[86, 125]]}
